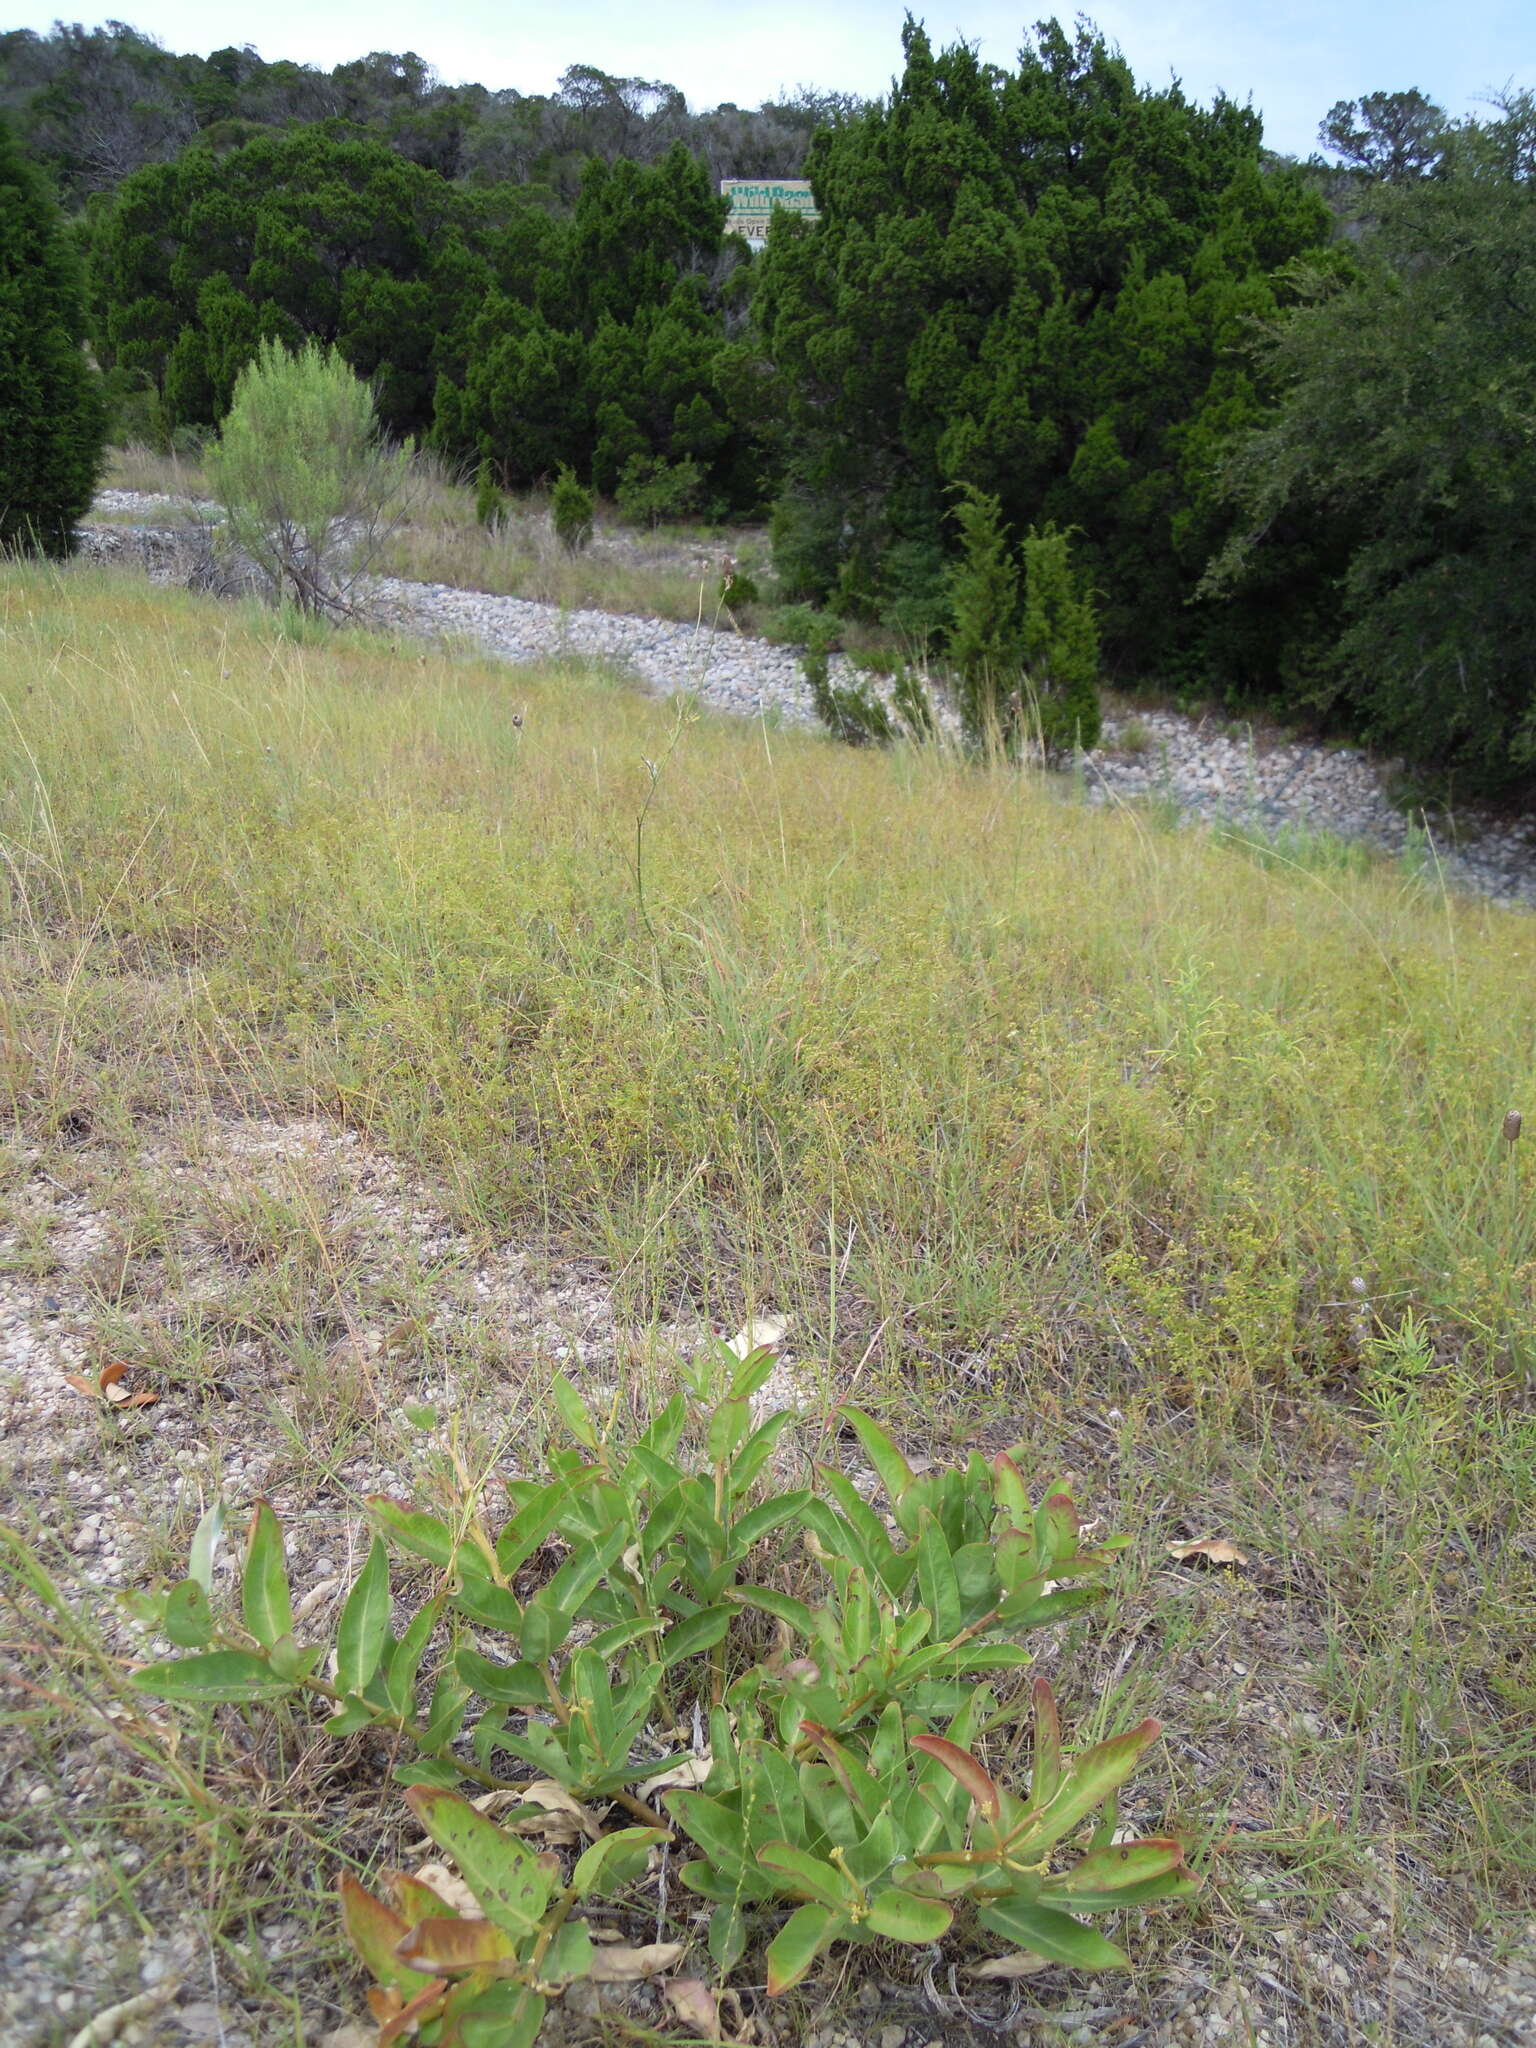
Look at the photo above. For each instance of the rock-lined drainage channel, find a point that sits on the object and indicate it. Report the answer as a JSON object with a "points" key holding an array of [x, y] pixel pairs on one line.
{"points": [[1203, 771]]}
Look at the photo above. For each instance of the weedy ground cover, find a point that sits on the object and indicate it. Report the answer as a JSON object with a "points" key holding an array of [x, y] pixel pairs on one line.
{"points": [[372, 1054], [672, 573]]}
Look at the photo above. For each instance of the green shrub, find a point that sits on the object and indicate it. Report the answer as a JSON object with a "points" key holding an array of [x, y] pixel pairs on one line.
{"points": [[984, 640], [916, 589], [309, 491], [570, 506], [135, 411], [53, 418], [805, 533], [1060, 643], [737, 588], [619, 442], [873, 661], [651, 490], [798, 625], [850, 711], [489, 502], [842, 1780]]}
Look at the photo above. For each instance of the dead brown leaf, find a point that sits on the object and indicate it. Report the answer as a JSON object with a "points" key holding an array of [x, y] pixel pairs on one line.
{"points": [[1214, 1549], [317, 1595], [763, 1333], [694, 2004], [1023, 1963], [684, 1777], [556, 1815], [450, 1888], [625, 1965], [108, 1386]]}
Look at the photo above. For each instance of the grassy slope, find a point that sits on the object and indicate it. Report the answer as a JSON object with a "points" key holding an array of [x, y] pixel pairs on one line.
{"points": [[1085, 1125]]}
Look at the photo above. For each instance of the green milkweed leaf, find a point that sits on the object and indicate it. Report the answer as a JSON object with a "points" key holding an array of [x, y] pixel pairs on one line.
{"points": [[614, 1860], [574, 1412], [1050, 1933], [900, 1916], [219, 1675], [501, 2016], [264, 1594], [511, 1884], [808, 1930], [375, 1931], [1122, 1874], [188, 1617], [205, 1543], [364, 1623]]}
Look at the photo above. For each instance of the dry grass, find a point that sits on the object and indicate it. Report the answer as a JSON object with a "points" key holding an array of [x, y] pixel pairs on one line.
{"points": [[673, 573], [346, 1064]]}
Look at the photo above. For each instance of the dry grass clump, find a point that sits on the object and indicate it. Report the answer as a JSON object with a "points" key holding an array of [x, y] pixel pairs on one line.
{"points": [[1035, 1122]]}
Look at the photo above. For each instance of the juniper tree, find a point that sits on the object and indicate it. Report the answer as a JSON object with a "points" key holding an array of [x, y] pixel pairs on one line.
{"points": [[52, 418]]}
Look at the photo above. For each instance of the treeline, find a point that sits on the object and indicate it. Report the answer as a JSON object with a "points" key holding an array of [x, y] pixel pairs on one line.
{"points": [[1282, 416], [489, 327], [94, 105], [1288, 415]]}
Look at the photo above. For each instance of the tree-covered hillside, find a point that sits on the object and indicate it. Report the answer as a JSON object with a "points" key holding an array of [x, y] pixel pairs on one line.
{"points": [[94, 105]]}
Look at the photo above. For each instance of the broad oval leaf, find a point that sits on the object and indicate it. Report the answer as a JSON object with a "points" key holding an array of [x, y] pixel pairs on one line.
{"points": [[700, 1632], [808, 1930], [719, 1832], [264, 1595], [936, 1578], [364, 1624], [428, 1770], [219, 1676], [615, 1860], [568, 1957], [963, 1767], [510, 1882], [501, 2016], [772, 1514], [1089, 1780], [375, 1931], [727, 1426], [1122, 1874], [188, 1617], [574, 1412], [205, 1543], [782, 1606], [509, 1685], [891, 1468], [900, 1916], [443, 1947], [1050, 1933], [808, 1877], [727, 1937]]}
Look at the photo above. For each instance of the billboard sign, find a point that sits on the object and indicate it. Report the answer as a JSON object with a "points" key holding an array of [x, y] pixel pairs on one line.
{"points": [[754, 200]]}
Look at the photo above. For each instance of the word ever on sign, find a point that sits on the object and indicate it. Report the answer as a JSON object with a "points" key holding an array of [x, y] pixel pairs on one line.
{"points": [[754, 202]]}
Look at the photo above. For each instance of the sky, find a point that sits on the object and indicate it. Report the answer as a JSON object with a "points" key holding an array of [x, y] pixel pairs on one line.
{"points": [[1295, 58]]}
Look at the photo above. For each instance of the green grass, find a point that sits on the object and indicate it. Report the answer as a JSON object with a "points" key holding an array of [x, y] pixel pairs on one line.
{"points": [[1036, 1121]]}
